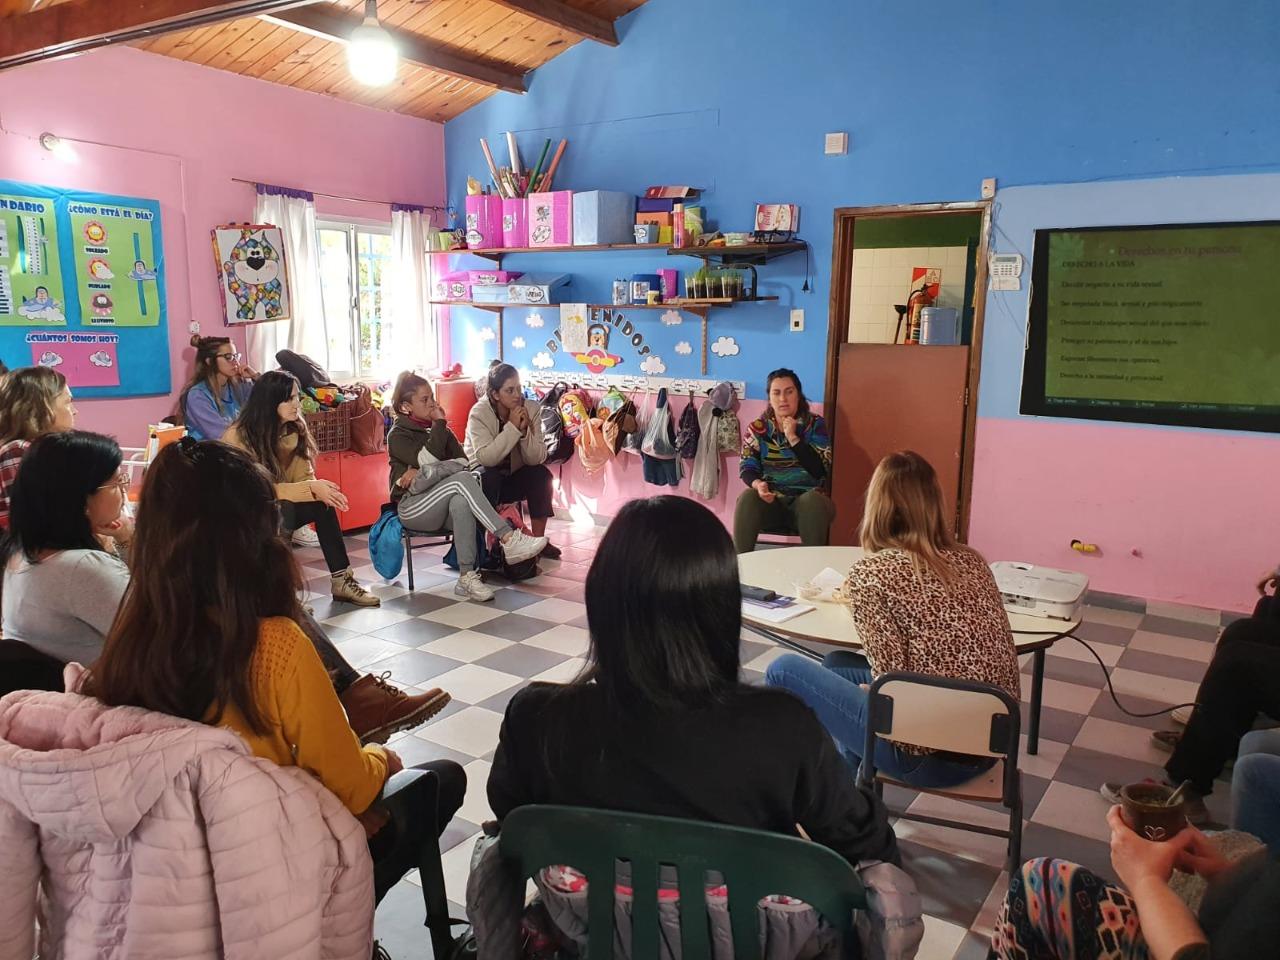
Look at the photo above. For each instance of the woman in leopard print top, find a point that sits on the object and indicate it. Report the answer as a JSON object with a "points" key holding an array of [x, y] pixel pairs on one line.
{"points": [[921, 603]]}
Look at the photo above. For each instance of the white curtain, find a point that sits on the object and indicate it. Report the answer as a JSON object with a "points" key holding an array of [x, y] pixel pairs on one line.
{"points": [[294, 212], [407, 294]]}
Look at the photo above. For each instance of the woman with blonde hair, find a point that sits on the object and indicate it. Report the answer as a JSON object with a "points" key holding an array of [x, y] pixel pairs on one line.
{"points": [[33, 401], [921, 603]]}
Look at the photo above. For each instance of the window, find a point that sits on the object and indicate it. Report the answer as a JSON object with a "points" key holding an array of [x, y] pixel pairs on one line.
{"points": [[353, 265]]}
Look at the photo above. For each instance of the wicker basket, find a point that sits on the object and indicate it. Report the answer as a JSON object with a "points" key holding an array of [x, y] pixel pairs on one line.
{"points": [[331, 429]]}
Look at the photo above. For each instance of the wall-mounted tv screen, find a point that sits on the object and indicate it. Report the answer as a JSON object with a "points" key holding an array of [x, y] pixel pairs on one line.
{"points": [[1176, 324]]}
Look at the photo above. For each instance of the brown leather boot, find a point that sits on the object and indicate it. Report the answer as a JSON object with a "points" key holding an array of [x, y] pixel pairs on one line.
{"points": [[376, 709]]}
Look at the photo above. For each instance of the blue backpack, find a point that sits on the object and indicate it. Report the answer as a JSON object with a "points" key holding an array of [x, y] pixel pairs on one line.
{"points": [[386, 543]]}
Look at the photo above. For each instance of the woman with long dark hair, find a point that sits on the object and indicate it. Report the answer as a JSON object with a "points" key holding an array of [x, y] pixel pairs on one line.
{"points": [[207, 631], [270, 429], [61, 584], [660, 723], [218, 388], [786, 463], [504, 439], [33, 401], [922, 603]]}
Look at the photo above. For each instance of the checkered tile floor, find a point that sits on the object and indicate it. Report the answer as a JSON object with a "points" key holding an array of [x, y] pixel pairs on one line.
{"points": [[483, 653]]}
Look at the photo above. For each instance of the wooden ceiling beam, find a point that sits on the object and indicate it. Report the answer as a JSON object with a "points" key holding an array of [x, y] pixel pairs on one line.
{"points": [[81, 25], [569, 19], [321, 20]]}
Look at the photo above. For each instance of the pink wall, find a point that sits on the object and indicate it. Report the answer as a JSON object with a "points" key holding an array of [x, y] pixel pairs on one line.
{"points": [[178, 133], [622, 479], [1194, 504]]}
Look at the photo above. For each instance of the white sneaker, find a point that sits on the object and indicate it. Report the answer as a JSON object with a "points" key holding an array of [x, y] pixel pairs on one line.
{"points": [[519, 546], [1181, 715], [471, 587], [306, 537]]}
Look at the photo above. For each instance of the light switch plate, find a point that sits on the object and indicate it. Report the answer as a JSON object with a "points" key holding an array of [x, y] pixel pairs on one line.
{"points": [[836, 143], [797, 321]]}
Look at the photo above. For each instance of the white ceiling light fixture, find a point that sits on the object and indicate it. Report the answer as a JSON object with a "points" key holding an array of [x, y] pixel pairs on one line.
{"points": [[57, 146], [371, 53]]}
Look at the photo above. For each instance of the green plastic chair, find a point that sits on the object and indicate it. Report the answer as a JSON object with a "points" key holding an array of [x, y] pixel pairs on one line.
{"points": [[753, 863]]}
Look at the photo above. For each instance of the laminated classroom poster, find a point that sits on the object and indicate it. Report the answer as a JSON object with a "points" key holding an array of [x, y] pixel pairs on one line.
{"points": [[116, 273], [82, 288], [31, 292]]}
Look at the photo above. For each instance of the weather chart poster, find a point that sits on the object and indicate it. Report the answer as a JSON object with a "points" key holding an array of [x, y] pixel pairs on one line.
{"points": [[82, 288]]}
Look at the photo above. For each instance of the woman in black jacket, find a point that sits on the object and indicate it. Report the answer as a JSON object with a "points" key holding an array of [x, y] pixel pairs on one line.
{"points": [[659, 722]]}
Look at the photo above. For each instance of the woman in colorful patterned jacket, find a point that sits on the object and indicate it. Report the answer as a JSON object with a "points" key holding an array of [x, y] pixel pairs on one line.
{"points": [[786, 459]]}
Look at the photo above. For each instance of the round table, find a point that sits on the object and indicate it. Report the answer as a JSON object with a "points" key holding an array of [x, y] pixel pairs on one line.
{"points": [[780, 569]]}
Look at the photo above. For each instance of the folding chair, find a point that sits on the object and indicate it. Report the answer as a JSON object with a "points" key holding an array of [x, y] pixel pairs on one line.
{"points": [[959, 716], [433, 538]]}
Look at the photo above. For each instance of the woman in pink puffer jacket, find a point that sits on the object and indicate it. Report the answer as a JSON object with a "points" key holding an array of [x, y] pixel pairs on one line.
{"points": [[126, 832]]}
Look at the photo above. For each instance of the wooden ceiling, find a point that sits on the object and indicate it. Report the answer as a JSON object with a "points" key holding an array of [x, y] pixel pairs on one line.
{"points": [[454, 53]]}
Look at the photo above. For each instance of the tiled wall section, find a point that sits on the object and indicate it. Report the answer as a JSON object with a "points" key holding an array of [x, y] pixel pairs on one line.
{"points": [[882, 277]]}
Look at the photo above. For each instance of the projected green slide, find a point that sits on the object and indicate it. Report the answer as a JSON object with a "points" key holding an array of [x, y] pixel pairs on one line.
{"points": [[1174, 319]]}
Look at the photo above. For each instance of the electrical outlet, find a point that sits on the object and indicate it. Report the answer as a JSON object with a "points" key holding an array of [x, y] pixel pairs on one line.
{"points": [[797, 321], [836, 144], [988, 188]]}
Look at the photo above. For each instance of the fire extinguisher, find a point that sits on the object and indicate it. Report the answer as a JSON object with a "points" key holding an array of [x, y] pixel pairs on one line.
{"points": [[918, 300]]}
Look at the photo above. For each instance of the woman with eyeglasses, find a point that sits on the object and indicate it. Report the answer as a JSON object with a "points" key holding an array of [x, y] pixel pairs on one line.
{"points": [[62, 584], [217, 390], [272, 431]]}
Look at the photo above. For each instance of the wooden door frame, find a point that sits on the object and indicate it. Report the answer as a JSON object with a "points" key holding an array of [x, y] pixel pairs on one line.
{"points": [[838, 317]]}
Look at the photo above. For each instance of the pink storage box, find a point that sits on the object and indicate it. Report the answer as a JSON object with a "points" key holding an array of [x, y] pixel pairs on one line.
{"points": [[493, 276], [515, 222], [484, 221], [670, 282], [453, 286], [551, 219]]}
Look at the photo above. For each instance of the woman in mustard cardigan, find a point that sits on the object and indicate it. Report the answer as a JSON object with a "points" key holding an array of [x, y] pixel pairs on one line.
{"points": [[270, 429]]}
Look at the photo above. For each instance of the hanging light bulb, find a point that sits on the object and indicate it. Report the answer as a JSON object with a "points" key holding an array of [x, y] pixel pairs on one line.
{"points": [[371, 53]]}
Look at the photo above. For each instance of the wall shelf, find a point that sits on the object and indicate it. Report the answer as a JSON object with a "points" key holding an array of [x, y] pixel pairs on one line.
{"points": [[699, 308], [497, 253], [745, 254]]}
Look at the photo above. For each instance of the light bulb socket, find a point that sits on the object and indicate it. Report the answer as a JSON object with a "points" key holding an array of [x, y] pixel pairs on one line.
{"points": [[50, 142]]}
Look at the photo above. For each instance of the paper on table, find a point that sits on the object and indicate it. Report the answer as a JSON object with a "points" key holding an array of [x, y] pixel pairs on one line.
{"points": [[775, 614], [825, 584]]}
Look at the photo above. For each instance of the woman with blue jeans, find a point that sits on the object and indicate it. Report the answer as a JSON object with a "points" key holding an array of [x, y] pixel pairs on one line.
{"points": [[921, 603], [1255, 788]]}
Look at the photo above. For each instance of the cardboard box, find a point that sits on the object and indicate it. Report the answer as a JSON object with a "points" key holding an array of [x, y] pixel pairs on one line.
{"points": [[777, 216], [531, 288], [670, 282], [648, 205], [493, 276], [661, 219], [671, 192], [666, 234], [453, 286], [551, 219], [602, 216], [484, 221], [515, 222]]}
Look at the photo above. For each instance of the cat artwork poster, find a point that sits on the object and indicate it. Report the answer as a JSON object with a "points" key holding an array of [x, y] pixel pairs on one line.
{"points": [[252, 274]]}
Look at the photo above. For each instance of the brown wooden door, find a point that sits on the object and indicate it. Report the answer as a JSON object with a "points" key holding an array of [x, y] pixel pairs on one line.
{"points": [[894, 397]]}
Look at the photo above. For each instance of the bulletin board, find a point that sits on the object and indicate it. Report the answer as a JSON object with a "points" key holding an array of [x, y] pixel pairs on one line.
{"points": [[82, 289]]}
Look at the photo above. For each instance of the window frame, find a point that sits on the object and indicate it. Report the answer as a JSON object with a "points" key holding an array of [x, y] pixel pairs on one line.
{"points": [[353, 228]]}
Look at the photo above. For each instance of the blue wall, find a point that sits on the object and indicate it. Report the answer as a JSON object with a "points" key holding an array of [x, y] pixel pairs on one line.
{"points": [[935, 96]]}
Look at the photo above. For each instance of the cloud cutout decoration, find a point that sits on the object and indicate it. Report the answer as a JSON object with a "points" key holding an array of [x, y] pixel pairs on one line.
{"points": [[543, 361], [101, 359], [518, 343], [534, 320], [653, 365], [49, 359], [487, 333], [726, 347], [672, 318], [684, 348]]}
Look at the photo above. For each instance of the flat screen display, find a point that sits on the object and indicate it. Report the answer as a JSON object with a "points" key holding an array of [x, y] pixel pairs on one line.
{"points": [[1174, 324]]}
